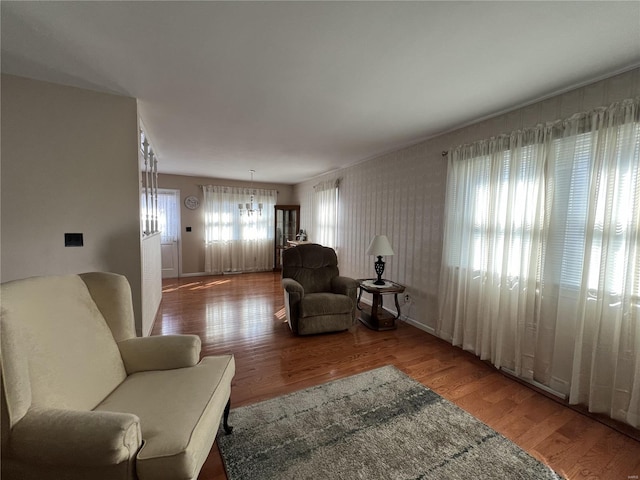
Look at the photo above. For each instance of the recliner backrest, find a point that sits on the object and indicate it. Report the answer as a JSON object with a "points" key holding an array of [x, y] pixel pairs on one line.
{"points": [[312, 265]]}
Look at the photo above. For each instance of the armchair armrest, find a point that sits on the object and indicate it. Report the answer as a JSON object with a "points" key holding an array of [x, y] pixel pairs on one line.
{"points": [[345, 286], [293, 294], [75, 437], [161, 352], [292, 286]]}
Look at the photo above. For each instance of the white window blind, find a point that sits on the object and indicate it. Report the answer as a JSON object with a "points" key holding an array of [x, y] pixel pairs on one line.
{"points": [[580, 187]]}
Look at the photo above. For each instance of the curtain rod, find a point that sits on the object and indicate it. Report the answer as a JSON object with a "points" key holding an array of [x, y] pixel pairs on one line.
{"points": [[336, 182], [231, 186]]}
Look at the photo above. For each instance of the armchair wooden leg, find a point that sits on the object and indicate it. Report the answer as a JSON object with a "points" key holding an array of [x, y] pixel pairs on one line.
{"points": [[225, 419]]}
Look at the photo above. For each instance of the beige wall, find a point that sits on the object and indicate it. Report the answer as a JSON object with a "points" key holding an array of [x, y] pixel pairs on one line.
{"points": [[69, 164], [151, 281], [402, 194], [192, 243]]}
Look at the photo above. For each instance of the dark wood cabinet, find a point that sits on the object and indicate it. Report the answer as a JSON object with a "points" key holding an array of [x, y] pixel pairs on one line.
{"points": [[287, 226]]}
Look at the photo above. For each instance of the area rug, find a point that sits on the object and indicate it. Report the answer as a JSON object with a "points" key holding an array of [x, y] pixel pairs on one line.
{"points": [[375, 425]]}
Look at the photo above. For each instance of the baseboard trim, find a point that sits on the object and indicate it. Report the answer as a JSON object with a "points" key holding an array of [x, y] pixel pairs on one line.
{"points": [[418, 325], [209, 274], [405, 319], [539, 385]]}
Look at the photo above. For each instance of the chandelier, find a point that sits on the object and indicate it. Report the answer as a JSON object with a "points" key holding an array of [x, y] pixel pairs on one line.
{"points": [[249, 207]]}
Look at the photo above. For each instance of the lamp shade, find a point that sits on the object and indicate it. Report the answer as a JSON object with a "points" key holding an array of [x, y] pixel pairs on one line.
{"points": [[380, 246]]}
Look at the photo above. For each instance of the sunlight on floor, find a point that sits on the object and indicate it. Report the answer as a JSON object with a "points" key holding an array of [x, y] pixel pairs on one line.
{"points": [[193, 286], [222, 319], [176, 286], [281, 314], [210, 284]]}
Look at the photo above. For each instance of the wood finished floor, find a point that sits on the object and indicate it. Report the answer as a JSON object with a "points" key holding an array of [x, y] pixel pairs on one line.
{"points": [[243, 315]]}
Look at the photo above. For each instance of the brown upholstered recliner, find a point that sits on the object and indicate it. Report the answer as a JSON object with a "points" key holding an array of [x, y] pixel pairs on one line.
{"points": [[317, 298]]}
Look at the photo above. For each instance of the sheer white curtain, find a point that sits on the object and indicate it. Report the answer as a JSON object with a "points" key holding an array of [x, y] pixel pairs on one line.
{"points": [[325, 208], [606, 358], [541, 261], [235, 242], [491, 267], [168, 216]]}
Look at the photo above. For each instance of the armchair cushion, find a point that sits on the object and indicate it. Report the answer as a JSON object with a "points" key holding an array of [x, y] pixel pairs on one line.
{"points": [[325, 304], [179, 412]]}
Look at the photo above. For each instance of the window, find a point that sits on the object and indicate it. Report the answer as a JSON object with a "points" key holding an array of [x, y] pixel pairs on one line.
{"points": [[599, 204], [504, 198], [236, 242], [541, 255], [496, 204], [503, 201], [325, 207], [224, 221], [168, 215]]}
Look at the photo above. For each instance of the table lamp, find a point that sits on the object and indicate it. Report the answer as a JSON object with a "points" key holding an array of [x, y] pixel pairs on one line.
{"points": [[379, 247]]}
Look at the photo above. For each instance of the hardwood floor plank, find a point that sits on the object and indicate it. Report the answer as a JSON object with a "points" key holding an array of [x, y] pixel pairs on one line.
{"points": [[243, 315]]}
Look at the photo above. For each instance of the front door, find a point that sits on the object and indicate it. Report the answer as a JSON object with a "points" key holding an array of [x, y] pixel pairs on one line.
{"points": [[169, 225]]}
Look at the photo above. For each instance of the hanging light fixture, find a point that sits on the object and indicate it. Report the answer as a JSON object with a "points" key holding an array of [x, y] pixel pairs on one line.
{"points": [[250, 206]]}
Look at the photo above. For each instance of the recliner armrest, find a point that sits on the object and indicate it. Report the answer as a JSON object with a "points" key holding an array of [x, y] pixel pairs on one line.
{"points": [[345, 286], [75, 437], [161, 352], [292, 286], [293, 294]]}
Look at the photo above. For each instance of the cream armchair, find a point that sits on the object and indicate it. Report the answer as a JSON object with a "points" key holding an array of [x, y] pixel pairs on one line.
{"points": [[317, 299], [84, 398]]}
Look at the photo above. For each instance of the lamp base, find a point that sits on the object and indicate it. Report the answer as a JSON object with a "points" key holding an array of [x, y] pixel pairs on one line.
{"points": [[379, 267]]}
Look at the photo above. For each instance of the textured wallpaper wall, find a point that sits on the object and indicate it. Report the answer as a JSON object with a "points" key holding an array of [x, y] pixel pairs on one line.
{"points": [[401, 195]]}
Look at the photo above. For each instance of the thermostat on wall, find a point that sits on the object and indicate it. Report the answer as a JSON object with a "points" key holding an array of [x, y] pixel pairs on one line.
{"points": [[191, 202], [73, 240]]}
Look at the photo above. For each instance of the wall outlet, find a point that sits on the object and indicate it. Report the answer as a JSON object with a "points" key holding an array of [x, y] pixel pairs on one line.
{"points": [[407, 298]]}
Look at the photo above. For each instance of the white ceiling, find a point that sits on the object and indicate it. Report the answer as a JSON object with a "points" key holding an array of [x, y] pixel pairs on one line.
{"points": [[296, 89]]}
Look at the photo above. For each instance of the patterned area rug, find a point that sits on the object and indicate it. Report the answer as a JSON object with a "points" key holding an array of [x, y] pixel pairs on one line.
{"points": [[376, 425]]}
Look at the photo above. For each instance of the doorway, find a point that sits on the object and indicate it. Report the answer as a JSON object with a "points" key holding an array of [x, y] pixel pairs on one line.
{"points": [[169, 226]]}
